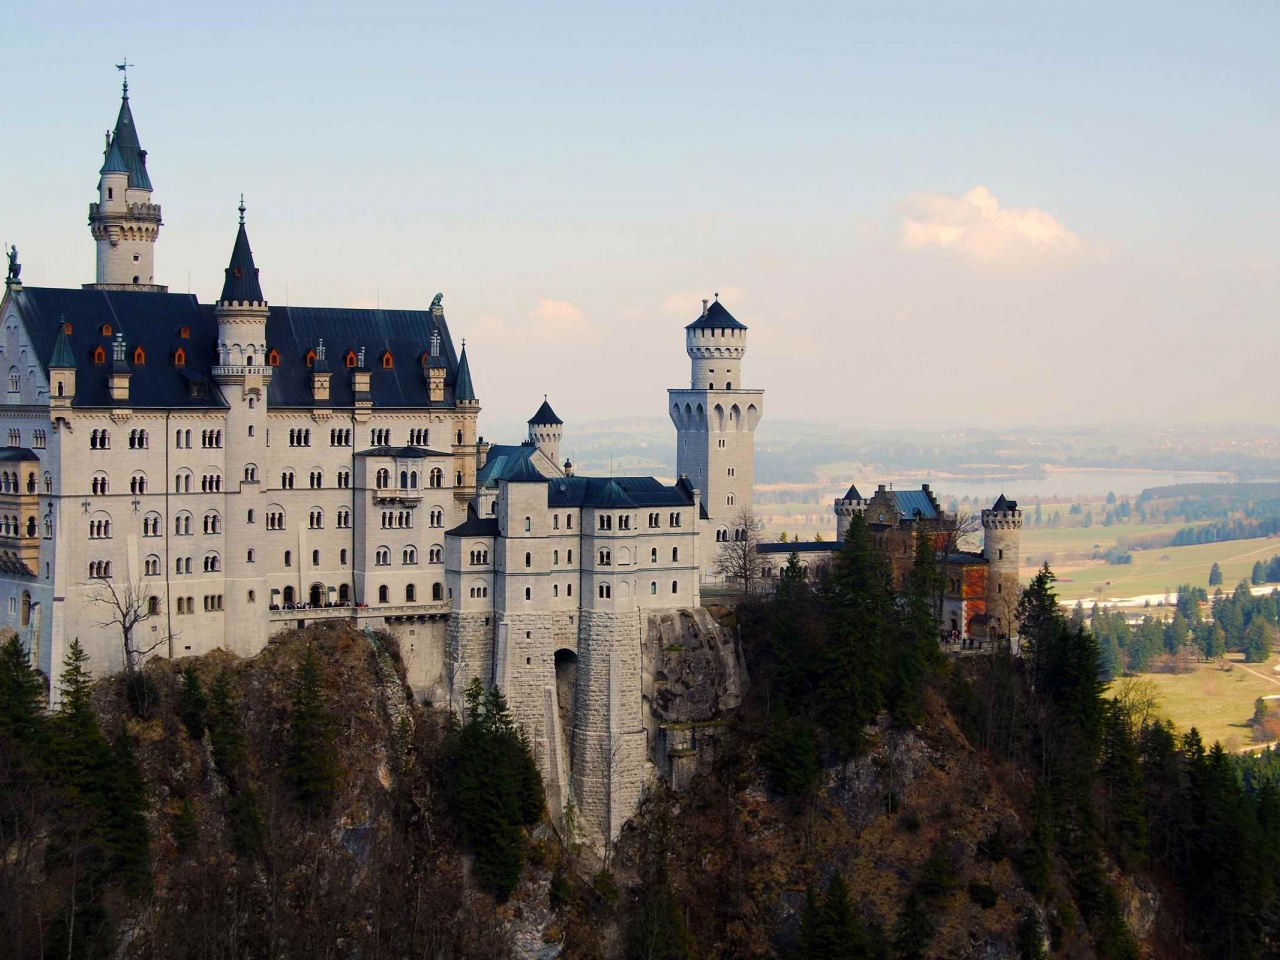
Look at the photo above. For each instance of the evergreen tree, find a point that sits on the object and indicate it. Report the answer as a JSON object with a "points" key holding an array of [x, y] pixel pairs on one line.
{"points": [[186, 830], [192, 703], [22, 716], [1257, 642], [1121, 775], [915, 654], [914, 930], [1259, 574], [1215, 576], [829, 928], [124, 825], [224, 730], [312, 762]]}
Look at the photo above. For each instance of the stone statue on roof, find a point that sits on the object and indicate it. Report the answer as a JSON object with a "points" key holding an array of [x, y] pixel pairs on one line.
{"points": [[15, 268], [438, 301]]}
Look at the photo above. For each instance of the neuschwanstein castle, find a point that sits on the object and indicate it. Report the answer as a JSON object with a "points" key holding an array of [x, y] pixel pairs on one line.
{"points": [[246, 468]]}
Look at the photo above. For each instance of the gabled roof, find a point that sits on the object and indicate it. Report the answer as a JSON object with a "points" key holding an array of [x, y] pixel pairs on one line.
{"points": [[474, 526], [545, 416], [125, 140], [505, 462], [464, 390], [523, 471], [916, 504], [241, 284], [717, 317]]}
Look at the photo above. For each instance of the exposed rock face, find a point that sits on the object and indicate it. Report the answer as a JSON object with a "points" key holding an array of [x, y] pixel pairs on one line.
{"points": [[693, 674]]}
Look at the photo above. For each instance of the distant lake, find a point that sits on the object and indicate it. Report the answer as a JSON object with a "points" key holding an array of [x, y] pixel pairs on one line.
{"points": [[1065, 483]]}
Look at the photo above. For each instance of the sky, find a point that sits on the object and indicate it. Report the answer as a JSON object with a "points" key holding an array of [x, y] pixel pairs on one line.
{"points": [[928, 214]]}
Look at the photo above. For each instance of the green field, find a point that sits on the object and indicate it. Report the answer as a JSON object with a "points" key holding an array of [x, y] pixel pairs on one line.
{"points": [[1217, 702]]}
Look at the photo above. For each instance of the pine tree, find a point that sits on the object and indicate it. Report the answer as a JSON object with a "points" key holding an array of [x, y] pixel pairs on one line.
{"points": [[1215, 576], [224, 730], [124, 829], [312, 762], [914, 930], [1121, 774], [192, 703], [1257, 641], [1259, 574], [22, 716]]}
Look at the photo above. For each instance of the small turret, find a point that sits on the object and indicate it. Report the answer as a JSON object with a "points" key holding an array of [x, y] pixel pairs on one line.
{"points": [[62, 368], [1001, 543], [463, 391], [546, 430], [846, 507], [242, 312], [716, 343]]}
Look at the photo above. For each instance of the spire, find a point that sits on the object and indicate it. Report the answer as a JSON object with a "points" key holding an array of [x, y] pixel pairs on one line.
{"points": [[64, 358], [125, 140], [463, 390], [114, 162], [241, 285]]}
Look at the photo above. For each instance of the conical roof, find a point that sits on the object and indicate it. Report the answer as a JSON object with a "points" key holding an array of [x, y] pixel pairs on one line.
{"points": [[63, 357], [717, 317], [463, 389], [125, 139], [1004, 505], [241, 284], [545, 416], [114, 162]]}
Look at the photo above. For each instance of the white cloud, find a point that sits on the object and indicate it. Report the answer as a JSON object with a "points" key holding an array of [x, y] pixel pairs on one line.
{"points": [[549, 322], [977, 228]]}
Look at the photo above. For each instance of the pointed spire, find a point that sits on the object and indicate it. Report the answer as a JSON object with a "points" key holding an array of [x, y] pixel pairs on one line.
{"points": [[64, 358], [114, 163], [241, 284], [125, 139], [545, 415], [463, 390]]}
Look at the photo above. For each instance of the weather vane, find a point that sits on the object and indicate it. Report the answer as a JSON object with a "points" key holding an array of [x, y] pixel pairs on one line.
{"points": [[123, 66]]}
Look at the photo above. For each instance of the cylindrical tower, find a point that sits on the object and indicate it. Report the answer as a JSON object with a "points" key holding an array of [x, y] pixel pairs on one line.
{"points": [[845, 507], [1001, 543], [546, 430], [716, 343]]}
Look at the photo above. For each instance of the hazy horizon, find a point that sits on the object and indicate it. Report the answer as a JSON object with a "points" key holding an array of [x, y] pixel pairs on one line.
{"points": [[927, 217]]}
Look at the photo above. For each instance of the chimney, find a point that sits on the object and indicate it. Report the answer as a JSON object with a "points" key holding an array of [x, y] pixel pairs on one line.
{"points": [[320, 376], [704, 306], [120, 372]]}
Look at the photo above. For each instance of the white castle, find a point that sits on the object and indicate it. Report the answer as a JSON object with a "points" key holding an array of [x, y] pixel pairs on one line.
{"points": [[238, 468]]}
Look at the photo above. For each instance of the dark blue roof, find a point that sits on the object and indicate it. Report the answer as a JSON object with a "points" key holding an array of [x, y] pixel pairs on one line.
{"points": [[616, 491], [402, 453], [17, 455], [64, 357], [504, 461], [153, 321], [545, 415], [852, 493], [473, 526], [241, 284], [915, 504], [464, 390], [717, 317], [114, 162], [1003, 505], [147, 320], [125, 139]]}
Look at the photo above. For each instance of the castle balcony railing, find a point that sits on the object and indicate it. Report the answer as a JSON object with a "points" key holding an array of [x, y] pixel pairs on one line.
{"points": [[242, 369], [397, 495], [427, 610]]}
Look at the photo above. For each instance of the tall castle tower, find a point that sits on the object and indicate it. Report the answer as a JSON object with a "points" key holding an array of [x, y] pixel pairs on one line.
{"points": [[715, 421], [1001, 542], [124, 221], [242, 373]]}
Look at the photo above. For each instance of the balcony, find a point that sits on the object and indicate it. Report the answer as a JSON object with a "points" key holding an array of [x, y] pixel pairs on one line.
{"points": [[397, 495], [381, 611]]}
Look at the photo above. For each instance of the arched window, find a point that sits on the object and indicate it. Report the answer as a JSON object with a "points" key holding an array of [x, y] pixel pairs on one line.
{"points": [[555, 557], [409, 556], [437, 477], [605, 591], [437, 591], [106, 330], [184, 333], [653, 555], [251, 556], [528, 524], [315, 558], [344, 593], [179, 357], [273, 357], [349, 361], [605, 559], [311, 358], [675, 586], [387, 362], [675, 554], [152, 566], [528, 593], [384, 595], [411, 594], [288, 558], [139, 356], [653, 588], [528, 559]]}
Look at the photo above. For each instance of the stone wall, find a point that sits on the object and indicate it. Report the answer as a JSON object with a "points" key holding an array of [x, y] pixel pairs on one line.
{"points": [[468, 653]]}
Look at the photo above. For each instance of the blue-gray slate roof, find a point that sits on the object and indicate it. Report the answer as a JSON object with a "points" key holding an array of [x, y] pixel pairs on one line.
{"points": [[617, 492], [153, 321], [504, 462], [545, 416], [474, 526], [125, 140], [915, 504], [808, 546], [241, 284], [464, 390], [717, 317]]}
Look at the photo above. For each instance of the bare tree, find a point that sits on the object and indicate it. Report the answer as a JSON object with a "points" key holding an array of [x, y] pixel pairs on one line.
{"points": [[739, 556], [126, 608]]}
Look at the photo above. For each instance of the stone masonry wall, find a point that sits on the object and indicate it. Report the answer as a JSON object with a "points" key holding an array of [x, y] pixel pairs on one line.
{"points": [[609, 760], [468, 653]]}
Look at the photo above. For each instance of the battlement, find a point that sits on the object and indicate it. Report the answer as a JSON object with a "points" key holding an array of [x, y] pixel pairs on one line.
{"points": [[128, 211]]}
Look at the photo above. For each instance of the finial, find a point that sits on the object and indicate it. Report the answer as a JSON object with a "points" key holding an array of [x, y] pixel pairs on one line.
{"points": [[717, 298], [464, 343], [123, 66], [242, 209]]}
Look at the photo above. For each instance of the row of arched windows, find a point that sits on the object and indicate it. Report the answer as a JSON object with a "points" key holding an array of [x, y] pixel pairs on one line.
{"points": [[10, 483], [100, 440], [300, 437], [138, 440], [211, 439], [340, 437], [397, 519]]}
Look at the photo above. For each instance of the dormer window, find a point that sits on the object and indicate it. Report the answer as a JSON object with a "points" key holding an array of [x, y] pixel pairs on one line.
{"points": [[179, 357], [273, 358], [237, 272], [311, 358], [106, 329], [350, 360], [139, 356], [387, 362], [185, 333], [66, 328], [99, 355]]}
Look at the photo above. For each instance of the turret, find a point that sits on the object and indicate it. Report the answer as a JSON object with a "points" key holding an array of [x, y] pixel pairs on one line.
{"points": [[851, 503], [716, 343], [464, 394], [242, 312], [62, 369], [1001, 542], [546, 430], [124, 222]]}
